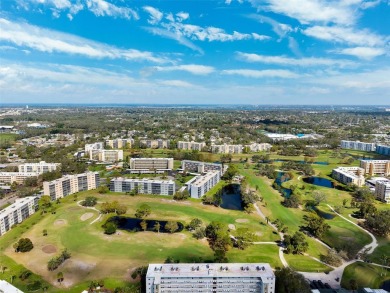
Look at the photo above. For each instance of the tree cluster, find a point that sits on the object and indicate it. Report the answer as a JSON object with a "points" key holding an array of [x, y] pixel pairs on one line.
{"points": [[23, 245], [113, 207], [296, 244], [219, 240], [55, 262]]}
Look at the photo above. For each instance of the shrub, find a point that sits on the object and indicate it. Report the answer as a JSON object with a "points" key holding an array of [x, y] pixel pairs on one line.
{"points": [[110, 228], [55, 262], [23, 245]]}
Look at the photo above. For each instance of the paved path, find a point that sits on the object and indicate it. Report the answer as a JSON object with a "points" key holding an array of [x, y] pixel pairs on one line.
{"points": [[91, 208]]}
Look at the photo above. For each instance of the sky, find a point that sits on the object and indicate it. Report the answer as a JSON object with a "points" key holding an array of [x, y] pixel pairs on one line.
{"points": [[287, 52]]}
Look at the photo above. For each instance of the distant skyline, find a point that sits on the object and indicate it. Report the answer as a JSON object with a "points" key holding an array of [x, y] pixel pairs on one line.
{"points": [[306, 52]]}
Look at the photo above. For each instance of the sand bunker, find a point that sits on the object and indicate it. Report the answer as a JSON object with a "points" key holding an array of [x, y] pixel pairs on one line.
{"points": [[242, 220], [49, 249], [60, 222], [232, 227], [86, 216]]}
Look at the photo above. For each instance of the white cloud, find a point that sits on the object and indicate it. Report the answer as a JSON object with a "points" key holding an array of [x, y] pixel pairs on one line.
{"points": [[344, 35], [182, 16], [49, 41], [280, 29], [191, 68], [155, 14], [370, 4], [286, 61], [366, 53], [260, 37], [104, 8], [176, 83], [261, 73]]}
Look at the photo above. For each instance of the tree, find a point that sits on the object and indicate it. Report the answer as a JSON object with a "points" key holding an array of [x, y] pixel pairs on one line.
{"points": [[194, 224], [103, 189], [297, 244], [318, 197], [367, 209], [144, 225], [219, 239], [110, 228], [60, 277], [143, 211], [199, 233], [332, 258], [316, 225], [293, 201], [171, 226], [44, 232], [44, 203], [345, 201], [24, 245], [244, 238], [89, 201], [157, 227], [289, 281], [230, 172], [379, 223]]}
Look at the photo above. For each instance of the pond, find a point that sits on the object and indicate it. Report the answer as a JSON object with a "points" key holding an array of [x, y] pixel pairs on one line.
{"points": [[322, 214], [301, 162], [286, 192], [231, 197], [319, 181], [386, 285], [134, 224]]}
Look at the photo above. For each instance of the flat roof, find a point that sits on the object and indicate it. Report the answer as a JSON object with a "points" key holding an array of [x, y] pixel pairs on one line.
{"points": [[8, 288], [144, 180], [202, 270], [17, 204], [200, 180]]}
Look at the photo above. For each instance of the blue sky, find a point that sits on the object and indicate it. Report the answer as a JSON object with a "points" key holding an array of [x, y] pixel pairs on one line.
{"points": [[199, 51]]}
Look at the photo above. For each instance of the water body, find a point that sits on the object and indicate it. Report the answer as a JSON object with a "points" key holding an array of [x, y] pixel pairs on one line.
{"points": [[319, 181], [231, 197], [286, 192], [134, 224], [322, 214], [301, 162]]}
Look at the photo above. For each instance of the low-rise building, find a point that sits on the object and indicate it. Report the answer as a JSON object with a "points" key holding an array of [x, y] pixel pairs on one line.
{"points": [[358, 145], [39, 168], [106, 155], [201, 167], [155, 143], [382, 190], [18, 177], [259, 147], [349, 175], [120, 143], [150, 165], [16, 213], [383, 150], [143, 186], [70, 184], [226, 148], [208, 278], [199, 185], [191, 145], [376, 167]]}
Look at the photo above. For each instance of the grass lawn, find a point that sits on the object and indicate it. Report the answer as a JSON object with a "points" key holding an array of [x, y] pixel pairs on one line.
{"points": [[304, 263], [382, 250], [365, 275], [257, 253]]}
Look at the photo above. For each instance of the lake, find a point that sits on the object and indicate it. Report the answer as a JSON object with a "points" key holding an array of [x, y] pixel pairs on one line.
{"points": [[286, 192], [319, 181], [134, 224], [231, 197]]}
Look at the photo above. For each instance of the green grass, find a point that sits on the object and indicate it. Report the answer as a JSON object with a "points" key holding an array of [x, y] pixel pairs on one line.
{"points": [[304, 263], [257, 253], [382, 250], [365, 275]]}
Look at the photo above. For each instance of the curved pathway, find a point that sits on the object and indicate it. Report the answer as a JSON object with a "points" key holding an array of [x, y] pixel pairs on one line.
{"points": [[91, 208]]}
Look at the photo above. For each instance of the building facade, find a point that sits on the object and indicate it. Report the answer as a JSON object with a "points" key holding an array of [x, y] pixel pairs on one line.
{"points": [[71, 184], [191, 145], [226, 148], [39, 168], [376, 167], [93, 146], [6, 287], [382, 190], [18, 177], [349, 175], [106, 155], [383, 150], [201, 167], [120, 143], [17, 212], [357, 145], [150, 165], [210, 278], [143, 186], [259, 147], [199, 185], [155, 143]]}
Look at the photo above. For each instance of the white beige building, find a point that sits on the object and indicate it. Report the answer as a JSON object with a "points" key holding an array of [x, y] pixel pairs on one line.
{"points": [[18, 177], [70, 184], [210, 278], [199, 185], [150, 165], [349, 175], [39, 168], [382, 190], [376, 167], [155, 143], [191, 145], [106, 155], [201, 167], [226, 148], [259, 147], [93, 146], [143, 186], [16, 213], [120, 143], [358, 145]]}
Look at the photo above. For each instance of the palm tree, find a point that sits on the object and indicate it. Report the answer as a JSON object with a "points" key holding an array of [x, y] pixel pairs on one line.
{"points": [[157, 227]]}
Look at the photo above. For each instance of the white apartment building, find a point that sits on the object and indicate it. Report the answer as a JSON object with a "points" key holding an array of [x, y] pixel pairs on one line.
{"points": [[120, 143], [376, 167], [93, 146], [17, 212], [18, 177], [150, 165], [199, 185], [39, 168], [191, 145], [201, 167], [226, 148], [210, 278], [349, 175], [155, 143], [70, 184], [259, 147], [143, 186], [106, 155], [357, 145], [382, 190], [6, 287]]}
